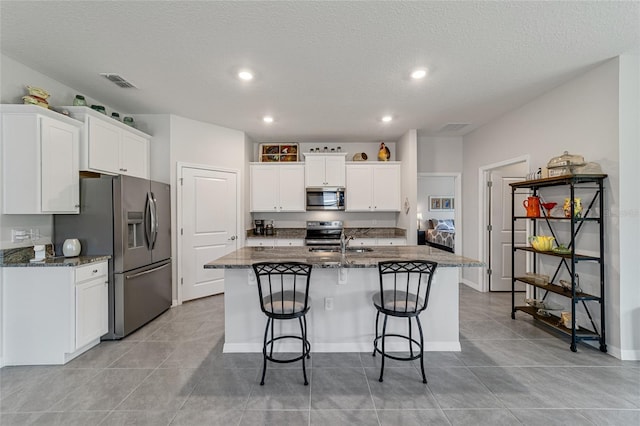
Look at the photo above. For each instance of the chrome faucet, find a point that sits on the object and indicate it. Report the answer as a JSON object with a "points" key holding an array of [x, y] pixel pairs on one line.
{"points": [[344, 241]]}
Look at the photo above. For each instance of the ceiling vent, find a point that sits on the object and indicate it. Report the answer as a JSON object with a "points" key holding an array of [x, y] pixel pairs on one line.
{"points": [[118, 80], [454, 127]]}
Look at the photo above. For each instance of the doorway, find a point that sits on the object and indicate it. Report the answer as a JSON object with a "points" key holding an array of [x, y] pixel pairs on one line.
{"points": [[495, 229], [441, 185], [208, 227]]}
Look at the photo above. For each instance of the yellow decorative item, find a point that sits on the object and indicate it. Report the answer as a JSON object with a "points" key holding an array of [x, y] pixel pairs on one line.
{"points": [[577, 207], [384, 154], [541, 242]]}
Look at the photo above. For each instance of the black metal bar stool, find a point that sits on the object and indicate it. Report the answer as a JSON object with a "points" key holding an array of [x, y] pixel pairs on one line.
{"points": [[284, 295], [404, 292]]}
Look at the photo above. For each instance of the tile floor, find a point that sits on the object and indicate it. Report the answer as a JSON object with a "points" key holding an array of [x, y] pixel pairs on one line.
{"points": [[173, 372]]}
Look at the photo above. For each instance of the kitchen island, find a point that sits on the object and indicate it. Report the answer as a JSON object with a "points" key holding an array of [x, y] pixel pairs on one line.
{"points": [[342, 316]]}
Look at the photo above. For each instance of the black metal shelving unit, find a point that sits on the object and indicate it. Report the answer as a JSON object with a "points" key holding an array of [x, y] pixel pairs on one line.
{"points": [[592, 214]]}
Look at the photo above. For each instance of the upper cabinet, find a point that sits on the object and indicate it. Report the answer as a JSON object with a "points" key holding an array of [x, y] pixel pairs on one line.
{"points": [[39, 161], [277, 188], [373, 187], [111, 147], [324, 169]]}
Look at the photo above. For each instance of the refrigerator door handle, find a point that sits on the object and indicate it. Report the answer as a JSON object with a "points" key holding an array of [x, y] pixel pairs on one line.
{"points": [[148, 221], [154, 220], [147, 272]]}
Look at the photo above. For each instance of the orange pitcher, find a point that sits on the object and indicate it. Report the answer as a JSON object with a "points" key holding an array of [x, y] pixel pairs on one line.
{"points": [[532, 205]]}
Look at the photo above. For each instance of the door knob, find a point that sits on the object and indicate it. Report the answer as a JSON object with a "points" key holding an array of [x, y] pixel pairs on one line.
{"points": [[233, 237]]}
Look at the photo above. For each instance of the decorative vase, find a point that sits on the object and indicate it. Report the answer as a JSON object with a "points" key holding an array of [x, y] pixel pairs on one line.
{"points": [[71, 247], [79, 100], [577, 207]]}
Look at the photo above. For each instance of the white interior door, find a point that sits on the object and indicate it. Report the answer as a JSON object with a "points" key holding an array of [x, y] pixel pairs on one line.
{"points": [[500, 232], [209, 215]]}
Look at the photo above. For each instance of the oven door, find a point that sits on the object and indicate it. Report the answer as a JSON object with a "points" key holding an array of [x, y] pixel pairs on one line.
{"points": [[325, 199]]}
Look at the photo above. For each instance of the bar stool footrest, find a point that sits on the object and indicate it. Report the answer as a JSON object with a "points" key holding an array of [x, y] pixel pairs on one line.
{"points": [[408, 358], [304, 354]]}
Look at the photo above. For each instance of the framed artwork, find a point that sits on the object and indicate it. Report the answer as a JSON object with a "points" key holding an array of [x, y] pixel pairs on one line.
{"points": [[440, 203], [278, 152]]}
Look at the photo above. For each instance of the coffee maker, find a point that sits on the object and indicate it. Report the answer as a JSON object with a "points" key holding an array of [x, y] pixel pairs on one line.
{"points": [[258, 227]]}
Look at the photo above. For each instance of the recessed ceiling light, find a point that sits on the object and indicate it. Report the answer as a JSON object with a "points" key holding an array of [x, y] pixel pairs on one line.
{"points": [[418, 74], [245, 75], [387, 118], [267, 119]]}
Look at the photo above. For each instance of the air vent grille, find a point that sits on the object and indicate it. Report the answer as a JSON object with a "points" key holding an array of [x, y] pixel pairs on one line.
{"points": [[454, 127], [118, 80]]}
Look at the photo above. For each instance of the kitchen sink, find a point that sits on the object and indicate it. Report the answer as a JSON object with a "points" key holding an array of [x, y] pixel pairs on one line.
{"points": [[337, 249]]}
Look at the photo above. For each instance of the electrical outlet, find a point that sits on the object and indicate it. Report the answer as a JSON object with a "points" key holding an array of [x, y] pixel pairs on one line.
{"points": [[328, 303]]}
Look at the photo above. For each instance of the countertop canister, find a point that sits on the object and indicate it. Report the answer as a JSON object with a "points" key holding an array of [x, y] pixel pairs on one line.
{"points": [[71, 247]]}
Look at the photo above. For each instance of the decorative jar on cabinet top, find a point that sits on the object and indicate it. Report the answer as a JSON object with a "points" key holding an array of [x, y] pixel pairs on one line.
{"points": [[71, 247]]}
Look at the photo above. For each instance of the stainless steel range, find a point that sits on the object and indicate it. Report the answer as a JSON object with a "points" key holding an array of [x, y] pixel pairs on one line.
{"points": [[321, 233]]}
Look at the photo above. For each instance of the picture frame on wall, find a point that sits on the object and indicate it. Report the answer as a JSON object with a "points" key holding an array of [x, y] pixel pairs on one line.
{"points": [[278, 152], [441, 203]]}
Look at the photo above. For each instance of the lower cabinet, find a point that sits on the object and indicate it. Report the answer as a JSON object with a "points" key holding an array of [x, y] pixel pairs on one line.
{"points": [[50, 315], [275, 242], [397, 241], [92, 288]]}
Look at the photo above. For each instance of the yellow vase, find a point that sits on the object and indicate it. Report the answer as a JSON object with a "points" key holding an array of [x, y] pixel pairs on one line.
{"points": [[577, 207]]}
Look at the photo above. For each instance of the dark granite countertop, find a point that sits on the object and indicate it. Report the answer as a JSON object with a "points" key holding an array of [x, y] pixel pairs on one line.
{"points": [[56, 261], [246, 256]]}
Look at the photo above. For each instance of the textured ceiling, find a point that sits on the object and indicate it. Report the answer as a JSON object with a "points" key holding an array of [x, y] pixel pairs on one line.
{"points": [[326, 71]]}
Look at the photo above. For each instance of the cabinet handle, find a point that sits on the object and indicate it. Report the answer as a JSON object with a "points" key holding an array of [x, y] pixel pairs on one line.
{"points": [[95, 271], [77, 206]]}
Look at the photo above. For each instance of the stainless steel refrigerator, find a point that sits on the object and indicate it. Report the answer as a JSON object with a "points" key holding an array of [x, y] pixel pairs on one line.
{"points": [[130, 219]]}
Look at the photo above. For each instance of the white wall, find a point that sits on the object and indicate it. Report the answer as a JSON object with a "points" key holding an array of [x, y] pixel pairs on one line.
{"points": [[629, 212], [440, 154], [408, 154], [581, 117]]}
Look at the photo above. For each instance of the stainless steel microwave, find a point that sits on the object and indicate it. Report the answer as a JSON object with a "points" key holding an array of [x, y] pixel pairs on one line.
{"points": [[329, 198]]}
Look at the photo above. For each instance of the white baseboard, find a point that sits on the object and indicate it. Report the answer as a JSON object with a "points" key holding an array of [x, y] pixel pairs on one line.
{"points": [[624, 355], [174, 303], [471, 284], [340, 347]]}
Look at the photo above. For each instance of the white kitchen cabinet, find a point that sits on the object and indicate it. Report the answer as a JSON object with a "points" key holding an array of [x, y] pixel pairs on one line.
{"points": [[111, 147], [289, 242], [91, 303], [396, 241], [373, 187], [277, 188], [50, 315], [39, 161], [260, 242], [358, 242], [324, 169]]}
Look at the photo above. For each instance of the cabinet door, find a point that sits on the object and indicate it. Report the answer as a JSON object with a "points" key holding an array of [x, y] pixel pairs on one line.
{"points": [[91, 310], [291, 191], [289, 242], [392, 241], [364, 242], [264, 188], [59, 165], [334, 171], [314, 171], [103, 146], [134, 155], [358, 189], [386, 187], [260, 242]]}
